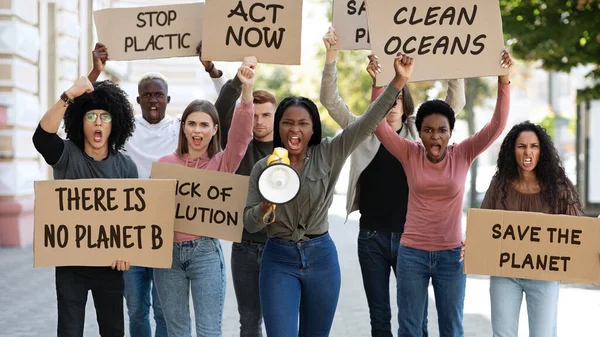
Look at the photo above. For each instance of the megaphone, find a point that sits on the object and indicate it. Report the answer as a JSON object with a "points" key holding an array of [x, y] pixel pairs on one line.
{"points": [[278, 183]]}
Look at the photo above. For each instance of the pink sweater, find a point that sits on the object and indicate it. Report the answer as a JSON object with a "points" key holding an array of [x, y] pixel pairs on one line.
{"points": [[228, 160], [435, 199]]}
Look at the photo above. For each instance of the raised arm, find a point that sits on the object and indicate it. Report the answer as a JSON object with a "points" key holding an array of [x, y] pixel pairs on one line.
{"points": [[330, 96], [99, 58], [343, 144], [479, 142], [455, 95], [228, 95], [241, 124], [45, 139]]}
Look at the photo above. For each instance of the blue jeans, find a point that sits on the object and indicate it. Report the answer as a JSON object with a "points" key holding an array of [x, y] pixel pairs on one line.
{"points": [[199, 264], [414, 269], [299, 278], [377, 255], [245, 268], [138, 287], [542, 305]]}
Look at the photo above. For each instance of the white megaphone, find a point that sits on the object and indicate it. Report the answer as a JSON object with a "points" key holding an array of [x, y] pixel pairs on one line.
{"points": [[278, 183]]}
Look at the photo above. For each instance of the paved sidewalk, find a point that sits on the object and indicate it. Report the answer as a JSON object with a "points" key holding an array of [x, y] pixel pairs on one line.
{"points": [[28, 298]]}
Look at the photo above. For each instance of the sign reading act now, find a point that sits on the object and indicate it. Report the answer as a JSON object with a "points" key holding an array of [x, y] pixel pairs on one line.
{"points": [[92, 222], [533, 246]]}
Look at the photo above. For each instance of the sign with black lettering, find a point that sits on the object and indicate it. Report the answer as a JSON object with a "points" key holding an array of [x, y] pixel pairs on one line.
{"points": [[93, 222], [207, 203], [268, 29], [150, 32], [447, 39], [533, 246], [350, 23]]}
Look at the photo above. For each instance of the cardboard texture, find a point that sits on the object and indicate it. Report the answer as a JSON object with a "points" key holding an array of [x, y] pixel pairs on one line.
{"points": [[269, 30], [150, 32], [447, 39], [533, 246], [93, 222], [350, 23], [208, 203]]}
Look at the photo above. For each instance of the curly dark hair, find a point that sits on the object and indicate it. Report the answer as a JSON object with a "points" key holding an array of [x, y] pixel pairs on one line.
{"points": [[304, 103], [107, 96], [556, 188], [432, 107]]}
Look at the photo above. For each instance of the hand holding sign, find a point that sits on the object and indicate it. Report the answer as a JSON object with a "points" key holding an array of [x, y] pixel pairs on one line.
{"points": [[373, 68], [99, 57], [506, 62], [120, 265], [80, 87]]}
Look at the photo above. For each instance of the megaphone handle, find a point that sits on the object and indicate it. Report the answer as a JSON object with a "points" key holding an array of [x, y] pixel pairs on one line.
{"points": [[269, 216]]}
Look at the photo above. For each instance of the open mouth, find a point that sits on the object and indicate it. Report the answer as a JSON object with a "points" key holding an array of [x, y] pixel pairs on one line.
{"points": [[154, 112], [294, 143], [527, 162], [98, 136], [197, 140], [435, 150]]}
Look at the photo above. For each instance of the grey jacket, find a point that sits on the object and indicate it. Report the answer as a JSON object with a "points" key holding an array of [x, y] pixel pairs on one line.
{"points": [[365, 152], [307, 213]]}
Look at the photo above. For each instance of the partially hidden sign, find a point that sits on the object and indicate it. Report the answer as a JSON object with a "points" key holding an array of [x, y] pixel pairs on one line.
{"points": [[150, 32], [208, 203], [93, 222], [533, 246], [268, 29], [350, 23], [447, 39]]}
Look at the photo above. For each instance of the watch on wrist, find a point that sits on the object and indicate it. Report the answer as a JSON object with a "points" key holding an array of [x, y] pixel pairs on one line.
{"points": [[66, 99]]}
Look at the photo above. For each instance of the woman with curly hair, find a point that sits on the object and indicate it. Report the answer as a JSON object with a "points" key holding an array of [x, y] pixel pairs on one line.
{"points": [[98, 119], [530, 177], [198, 266]]}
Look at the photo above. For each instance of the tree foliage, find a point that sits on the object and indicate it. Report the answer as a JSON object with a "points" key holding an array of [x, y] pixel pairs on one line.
{"points": [[561, 33]]}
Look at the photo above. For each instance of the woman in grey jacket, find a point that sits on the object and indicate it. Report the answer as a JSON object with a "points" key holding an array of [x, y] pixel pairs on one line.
{"points": [[372, 166]]}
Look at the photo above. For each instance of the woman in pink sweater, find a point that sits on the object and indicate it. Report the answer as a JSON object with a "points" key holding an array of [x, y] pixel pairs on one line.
{"points": [[198, 261], [431, 244]]}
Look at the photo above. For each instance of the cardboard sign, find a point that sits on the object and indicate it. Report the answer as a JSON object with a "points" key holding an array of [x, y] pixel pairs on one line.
{"points": [[350, 23], [447, 39], [150, 32], [533, 246], [208, 203], [93, 222], [268, 29]]}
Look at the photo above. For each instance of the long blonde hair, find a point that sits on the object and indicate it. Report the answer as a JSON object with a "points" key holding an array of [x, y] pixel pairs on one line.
{"points": [[200, 105]]}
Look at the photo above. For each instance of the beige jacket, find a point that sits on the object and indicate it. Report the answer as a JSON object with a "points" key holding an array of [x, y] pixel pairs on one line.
{"points": [[365, 152]]}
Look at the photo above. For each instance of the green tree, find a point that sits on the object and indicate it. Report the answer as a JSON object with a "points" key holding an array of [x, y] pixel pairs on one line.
{"points": [[561, 33]]}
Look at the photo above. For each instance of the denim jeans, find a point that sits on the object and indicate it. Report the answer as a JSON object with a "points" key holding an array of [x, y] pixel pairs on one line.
{"points": [[299, 278], [414, 269], [197, 264], [377, 255], [72, 286], [245, 268], [139, 292], [542, 305]]}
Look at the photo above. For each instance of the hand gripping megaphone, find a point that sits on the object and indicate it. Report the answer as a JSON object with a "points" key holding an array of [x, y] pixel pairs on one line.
{"points": [[278, 183]]}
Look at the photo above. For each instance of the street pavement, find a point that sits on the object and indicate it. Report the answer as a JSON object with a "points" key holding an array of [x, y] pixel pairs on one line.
{"points": [[28, 298]]}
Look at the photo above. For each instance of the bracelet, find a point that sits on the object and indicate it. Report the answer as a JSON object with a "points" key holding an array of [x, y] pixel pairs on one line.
{"points": [[66, 98], [211, 68]]}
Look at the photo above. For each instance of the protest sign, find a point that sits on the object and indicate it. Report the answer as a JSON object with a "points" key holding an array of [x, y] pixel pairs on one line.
{"points": [[268, 29], [93, 222], [350, 23], [150, 32], [533, 246], [447, 40], [207, 203]]}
